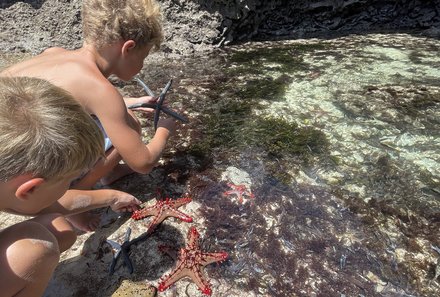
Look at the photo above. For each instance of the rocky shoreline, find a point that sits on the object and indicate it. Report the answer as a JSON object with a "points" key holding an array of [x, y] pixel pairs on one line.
{"points": [[195, 27]]}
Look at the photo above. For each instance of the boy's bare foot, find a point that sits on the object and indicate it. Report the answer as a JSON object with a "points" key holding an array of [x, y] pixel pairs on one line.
{"points": [[85, 221], [117, 173]]}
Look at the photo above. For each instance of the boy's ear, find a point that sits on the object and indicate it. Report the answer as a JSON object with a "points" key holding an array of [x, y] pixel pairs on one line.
{"points": [[28, 187], [128, 46]]}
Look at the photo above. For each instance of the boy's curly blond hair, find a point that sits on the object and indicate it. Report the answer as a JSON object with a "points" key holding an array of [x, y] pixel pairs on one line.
{"points": [[108, 21], [44, 131]]}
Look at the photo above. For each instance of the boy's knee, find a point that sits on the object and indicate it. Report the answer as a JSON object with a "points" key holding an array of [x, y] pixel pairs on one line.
{"points": [[29, 253], [35, 241], [29, 244]]}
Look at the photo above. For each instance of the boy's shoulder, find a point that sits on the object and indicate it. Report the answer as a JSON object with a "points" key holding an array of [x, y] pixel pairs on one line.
{"points": [[54, 50], [90, 87]]}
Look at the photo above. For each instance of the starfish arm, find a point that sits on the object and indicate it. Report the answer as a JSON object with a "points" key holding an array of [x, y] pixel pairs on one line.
{"points": [[165, 213], [112, 266], [240, 197], [179, 272], [193, 238], [196, 275], [171, 212], [127, 261], [116, 246], [144, 212], [208, 258], [158, 218]]}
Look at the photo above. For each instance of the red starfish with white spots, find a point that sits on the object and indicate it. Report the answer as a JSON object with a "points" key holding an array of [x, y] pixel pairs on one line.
{"points": [[162, 210], [240, 191], [190, 262]]}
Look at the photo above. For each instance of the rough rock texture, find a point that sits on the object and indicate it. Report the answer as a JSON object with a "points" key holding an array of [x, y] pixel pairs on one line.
{"points": [[263, 20], [194, 26]]}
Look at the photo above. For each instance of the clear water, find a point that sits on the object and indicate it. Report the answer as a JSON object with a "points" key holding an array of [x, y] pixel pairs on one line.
{"points": [[338, 141]]}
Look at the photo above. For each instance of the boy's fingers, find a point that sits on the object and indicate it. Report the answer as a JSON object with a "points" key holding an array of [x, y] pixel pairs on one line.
{"points": [[143, 109], [134, 207]]}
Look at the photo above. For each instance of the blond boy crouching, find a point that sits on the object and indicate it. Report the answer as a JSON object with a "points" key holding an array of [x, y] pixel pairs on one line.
{"points": [[118, 36], [46, 141]]}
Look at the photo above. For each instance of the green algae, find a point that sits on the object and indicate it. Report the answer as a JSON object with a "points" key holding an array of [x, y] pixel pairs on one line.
{"points": [[264, 88], [279, 54], [282, 59], [273, 139], [232, 123], [277, 137], [416, 104]]}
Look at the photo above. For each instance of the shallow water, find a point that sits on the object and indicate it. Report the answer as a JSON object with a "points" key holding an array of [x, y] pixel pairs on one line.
{"points": [[338, 141]]}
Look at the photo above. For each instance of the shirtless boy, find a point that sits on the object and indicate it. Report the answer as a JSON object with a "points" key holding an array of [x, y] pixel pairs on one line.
{"points": [[118, 36], [46, 140]]}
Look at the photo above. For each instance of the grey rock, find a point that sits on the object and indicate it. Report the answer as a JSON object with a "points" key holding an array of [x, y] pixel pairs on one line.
{"points": [[198, 26]]}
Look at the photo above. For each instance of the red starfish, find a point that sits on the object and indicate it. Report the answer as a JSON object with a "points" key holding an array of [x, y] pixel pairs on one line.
{"points": [[190, 262], [162, 210], [240, 191]]}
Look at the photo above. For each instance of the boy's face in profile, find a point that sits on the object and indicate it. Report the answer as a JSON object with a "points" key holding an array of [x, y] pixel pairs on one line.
{"points": [[134, 62]]}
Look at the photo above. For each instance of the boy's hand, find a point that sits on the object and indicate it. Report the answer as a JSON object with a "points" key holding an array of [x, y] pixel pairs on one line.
{"points": [[168, 124], [124, 202]]}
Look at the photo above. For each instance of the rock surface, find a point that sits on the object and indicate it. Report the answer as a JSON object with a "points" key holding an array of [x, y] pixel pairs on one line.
{"points": [[195, 26]]}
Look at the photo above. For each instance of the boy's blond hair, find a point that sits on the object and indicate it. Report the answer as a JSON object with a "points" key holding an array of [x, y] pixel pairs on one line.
{"points": [[108, 21], [44, 131]]}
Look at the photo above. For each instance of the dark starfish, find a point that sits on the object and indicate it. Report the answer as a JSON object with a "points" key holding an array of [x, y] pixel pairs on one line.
{"points": [[191, 260], [158, 107], [121, 249], [161, 210]]}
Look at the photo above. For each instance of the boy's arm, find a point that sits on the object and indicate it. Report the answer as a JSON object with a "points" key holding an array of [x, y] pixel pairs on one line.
{"points": [[122, 130], [77, 201]]}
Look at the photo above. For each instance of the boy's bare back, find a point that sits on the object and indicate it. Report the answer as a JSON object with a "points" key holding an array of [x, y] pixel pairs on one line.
{"points": [[78, 73], [72, 70]]}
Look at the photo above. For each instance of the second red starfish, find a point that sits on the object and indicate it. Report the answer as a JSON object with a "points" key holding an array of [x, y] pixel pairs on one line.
{"points": [[190, 262]]}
